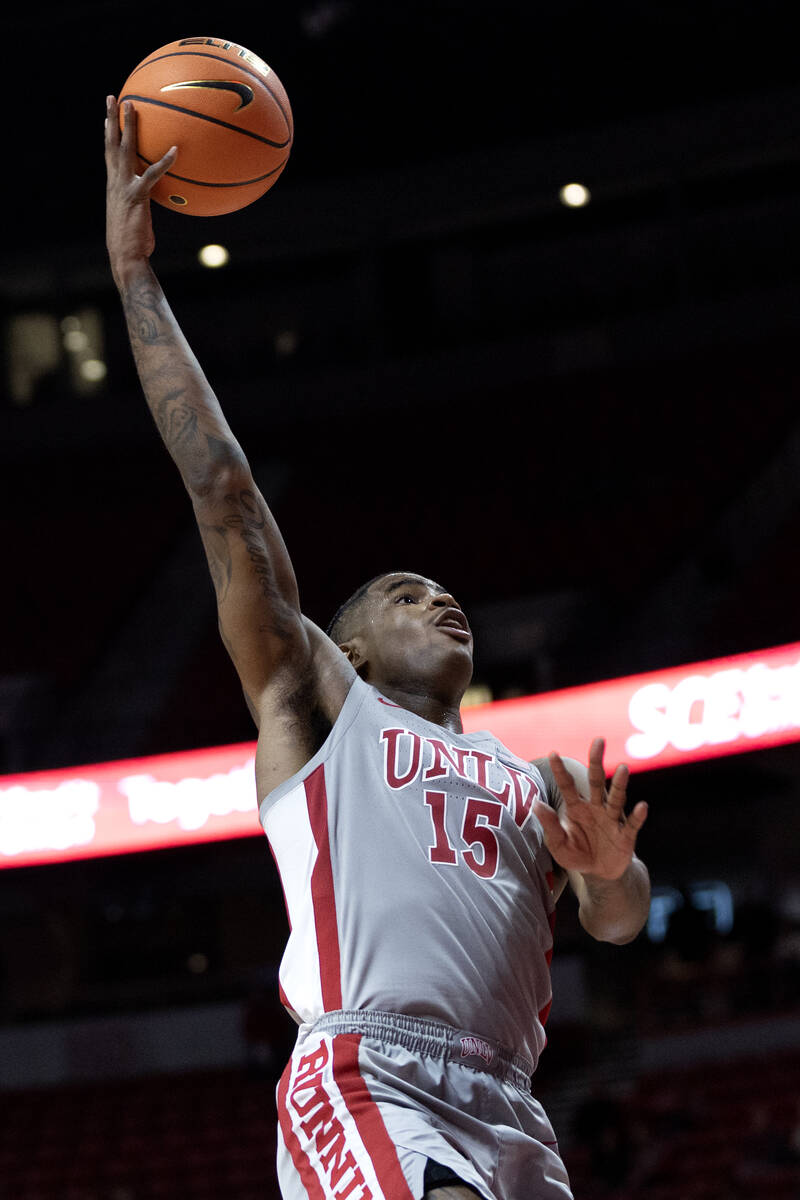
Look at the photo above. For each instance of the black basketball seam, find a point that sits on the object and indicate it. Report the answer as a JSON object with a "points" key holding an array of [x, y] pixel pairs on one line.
{"points": [[203, 183], [191, 112], [216, 58]]}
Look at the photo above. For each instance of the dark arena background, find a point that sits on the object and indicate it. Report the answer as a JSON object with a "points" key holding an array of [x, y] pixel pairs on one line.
{"points": [[583, 420]]}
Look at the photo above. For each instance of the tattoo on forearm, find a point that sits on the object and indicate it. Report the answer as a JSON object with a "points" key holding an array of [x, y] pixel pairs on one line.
{"points": [[223, 452], [185, 409], [141, 303], [177, 421]]}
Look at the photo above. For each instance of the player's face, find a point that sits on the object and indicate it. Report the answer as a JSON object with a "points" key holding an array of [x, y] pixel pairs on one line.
{"points": [[415, 630]]}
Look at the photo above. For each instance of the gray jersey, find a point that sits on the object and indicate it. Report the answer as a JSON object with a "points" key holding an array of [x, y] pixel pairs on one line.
{"points": [[415, 876]]}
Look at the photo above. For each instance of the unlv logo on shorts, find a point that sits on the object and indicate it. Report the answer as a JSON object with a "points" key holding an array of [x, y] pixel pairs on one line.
{"points": [[475, 1047]]}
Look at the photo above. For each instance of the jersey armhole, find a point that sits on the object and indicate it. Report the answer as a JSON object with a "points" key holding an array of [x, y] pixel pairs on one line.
{"points": [[553, 797], [349, 711]]}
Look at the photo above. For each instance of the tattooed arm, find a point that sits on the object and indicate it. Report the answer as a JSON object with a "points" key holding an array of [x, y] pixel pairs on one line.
{"points": [[259, 610]]}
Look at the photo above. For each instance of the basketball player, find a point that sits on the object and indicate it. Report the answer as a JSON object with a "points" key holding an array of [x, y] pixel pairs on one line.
{"points": [[420, 865]]}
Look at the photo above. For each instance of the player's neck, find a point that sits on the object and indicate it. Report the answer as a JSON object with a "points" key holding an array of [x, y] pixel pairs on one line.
{"points": [[430, 708]]}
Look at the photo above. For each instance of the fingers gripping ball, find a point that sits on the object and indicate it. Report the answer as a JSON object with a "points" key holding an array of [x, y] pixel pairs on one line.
{"points": [[225, 110]]}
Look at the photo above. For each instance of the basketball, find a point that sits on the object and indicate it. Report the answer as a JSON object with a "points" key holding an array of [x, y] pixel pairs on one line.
{"points": [[225, 110]]}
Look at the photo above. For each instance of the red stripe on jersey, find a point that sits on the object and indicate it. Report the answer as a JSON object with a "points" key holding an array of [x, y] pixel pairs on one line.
{"points": [[302, 1163], [323, 896], [367, 1116]]}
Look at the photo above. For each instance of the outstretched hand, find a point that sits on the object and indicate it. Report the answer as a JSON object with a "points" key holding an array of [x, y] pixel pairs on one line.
{"points": [[591, 835], [129, 228]]}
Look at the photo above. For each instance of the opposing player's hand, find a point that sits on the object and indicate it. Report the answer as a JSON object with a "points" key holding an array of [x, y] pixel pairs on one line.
{"points": [[129, 227], [591, 835]]}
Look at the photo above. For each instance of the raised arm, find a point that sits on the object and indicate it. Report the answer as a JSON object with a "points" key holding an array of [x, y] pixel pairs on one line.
{"points": [[259, 610]]}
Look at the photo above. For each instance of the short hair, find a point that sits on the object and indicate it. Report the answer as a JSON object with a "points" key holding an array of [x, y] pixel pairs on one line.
{"points": [[340, 627]]}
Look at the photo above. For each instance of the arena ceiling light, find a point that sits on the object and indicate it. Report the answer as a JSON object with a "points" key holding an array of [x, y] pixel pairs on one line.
{"points": [[213, 255], [574, 195]]}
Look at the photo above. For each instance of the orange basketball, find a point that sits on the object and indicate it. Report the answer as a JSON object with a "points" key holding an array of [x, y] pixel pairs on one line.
{"points": [[225, 110]]}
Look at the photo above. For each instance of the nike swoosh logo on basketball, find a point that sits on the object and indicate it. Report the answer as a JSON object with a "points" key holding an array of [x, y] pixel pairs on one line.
{"points": [[245, 93]]}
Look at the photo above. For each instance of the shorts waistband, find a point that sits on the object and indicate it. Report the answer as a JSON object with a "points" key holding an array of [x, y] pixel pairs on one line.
{"points": [[424, 1036]]}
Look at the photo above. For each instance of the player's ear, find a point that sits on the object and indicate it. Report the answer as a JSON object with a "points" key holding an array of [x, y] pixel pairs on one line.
{"points": [[355, 652]]}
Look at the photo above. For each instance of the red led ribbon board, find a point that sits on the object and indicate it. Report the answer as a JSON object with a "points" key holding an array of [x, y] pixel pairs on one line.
{"points": [[703, 710], [133, 804]]}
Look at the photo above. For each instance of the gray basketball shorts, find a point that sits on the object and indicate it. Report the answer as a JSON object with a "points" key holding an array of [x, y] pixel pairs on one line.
{"points": [[368, 1099]]}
